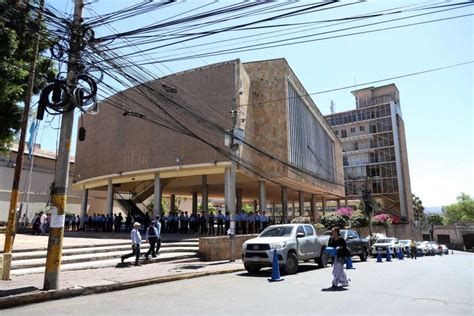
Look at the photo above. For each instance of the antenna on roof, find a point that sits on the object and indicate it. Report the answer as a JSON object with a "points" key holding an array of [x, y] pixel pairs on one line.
{"points": [[332, 107]]}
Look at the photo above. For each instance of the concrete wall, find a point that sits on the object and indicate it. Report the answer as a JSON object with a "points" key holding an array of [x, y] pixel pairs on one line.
{"points": [[218, 248]]}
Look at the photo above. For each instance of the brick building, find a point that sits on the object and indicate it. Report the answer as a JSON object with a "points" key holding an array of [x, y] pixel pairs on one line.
{"points": [[290, 152], [374, 149]]}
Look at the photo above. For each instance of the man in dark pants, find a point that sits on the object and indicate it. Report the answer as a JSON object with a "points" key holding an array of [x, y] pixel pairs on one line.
{"points": [[211, 223], [136, 242], [220, 223], [152, 237]]}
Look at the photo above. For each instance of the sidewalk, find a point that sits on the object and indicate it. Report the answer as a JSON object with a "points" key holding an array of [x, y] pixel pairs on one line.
{"points": [[27, 289]]}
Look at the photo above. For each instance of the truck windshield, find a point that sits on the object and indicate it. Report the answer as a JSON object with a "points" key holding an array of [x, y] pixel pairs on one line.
{"points": [[277, 231], [384, 241]]}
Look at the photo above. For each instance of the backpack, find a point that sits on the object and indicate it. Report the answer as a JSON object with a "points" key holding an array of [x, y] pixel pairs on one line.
{"points": [[37, 220]]}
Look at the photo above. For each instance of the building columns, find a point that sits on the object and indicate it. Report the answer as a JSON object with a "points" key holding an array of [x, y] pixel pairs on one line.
{"points": [[157, 196], [346, 202], [239, 199], [195, 203], [172, 203], [85, 197], [229, 193], [314, 209], [205, 196], [110, 198], [324, 205], [262, 194], [338, 204], [284, 204], [301, 202]]}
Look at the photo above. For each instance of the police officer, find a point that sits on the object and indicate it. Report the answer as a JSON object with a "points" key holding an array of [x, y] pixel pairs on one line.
{"points": [[251, 223], [264, 219], [257, 222], [227, 222], [243, 222], [211, 223], [220, 223]]}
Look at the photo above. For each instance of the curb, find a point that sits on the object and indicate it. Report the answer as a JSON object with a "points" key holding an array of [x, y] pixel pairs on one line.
{"points": [[43, 296]]}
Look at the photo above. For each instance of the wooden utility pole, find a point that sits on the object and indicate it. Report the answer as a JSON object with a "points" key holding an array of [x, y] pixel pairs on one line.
{"points": [[11, 226], [59, 190]]}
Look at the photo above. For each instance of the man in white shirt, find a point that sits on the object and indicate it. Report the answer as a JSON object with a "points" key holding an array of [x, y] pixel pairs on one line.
{"points": [[136, 243]]}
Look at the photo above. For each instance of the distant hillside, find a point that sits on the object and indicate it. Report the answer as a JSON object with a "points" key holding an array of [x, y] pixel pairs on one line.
{"points": [[433, 209]]}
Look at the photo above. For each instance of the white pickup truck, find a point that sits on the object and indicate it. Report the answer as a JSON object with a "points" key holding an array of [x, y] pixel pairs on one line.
{"points": [[293, 243]]}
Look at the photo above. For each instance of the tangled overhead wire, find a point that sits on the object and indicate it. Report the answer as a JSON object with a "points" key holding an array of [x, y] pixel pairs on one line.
{"points": [[58, 97]]}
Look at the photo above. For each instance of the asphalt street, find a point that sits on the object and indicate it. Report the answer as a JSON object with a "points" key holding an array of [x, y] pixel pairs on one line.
{"points": [[430, 285]]}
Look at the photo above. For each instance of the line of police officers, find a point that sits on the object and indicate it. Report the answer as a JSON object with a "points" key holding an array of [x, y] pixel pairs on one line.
{"points": [[252, 223]]}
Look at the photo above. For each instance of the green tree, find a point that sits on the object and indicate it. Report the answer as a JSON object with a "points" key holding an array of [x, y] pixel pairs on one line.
{"points": [[418, 207], [17, 29], [462, 210], [434, 219]]}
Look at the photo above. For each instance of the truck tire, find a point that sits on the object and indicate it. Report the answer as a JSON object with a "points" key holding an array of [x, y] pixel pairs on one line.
{"points": [[291, 266], [322, 261], [252, 269], [363, 256]]}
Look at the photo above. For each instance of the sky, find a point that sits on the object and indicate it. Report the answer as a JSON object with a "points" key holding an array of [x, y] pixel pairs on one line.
{"points": [[437, 107]]}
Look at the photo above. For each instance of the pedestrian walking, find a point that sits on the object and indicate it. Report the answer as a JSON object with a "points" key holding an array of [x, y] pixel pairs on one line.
{"points": [[413, 249], [151, 236], [136, 243], [338, 272], [158, 230]]}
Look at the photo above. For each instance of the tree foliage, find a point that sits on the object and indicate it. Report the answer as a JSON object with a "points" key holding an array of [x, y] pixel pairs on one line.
{"points": [[434, 219], [17, 30], [418, 207], [462, 210], [333, 220]]}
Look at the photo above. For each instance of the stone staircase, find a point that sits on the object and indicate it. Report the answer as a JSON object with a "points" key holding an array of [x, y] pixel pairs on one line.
{"points": [[80, 257]]}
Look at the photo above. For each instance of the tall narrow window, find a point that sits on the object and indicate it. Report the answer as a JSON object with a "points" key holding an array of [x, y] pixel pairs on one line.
{"points": [[343, 133], [356, 146]]}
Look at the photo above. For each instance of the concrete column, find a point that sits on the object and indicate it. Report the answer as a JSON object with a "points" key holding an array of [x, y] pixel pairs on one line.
{"points": [[324, 205], [262, 194], [301, 202], [284, 204], [314, 209], [346, 202], [110, 198], [195, 203], [229, 190], [293, 213], [172, 203], [205, 196], [85, 197], [255, 205], [239, 199], [338, 204], [157, 196]]}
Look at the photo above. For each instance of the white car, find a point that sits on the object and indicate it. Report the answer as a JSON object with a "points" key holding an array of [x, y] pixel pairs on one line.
{"points": [[383, 244], [421, 248], [405, 244]]}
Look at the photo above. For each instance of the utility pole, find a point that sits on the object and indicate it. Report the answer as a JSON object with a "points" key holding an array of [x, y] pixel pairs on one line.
{"points": [[59, 190], [11, 226]]}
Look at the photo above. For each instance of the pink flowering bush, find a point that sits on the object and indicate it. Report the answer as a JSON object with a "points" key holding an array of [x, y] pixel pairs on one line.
{"points": [[345, 211], [381, 219], [395, 220]]}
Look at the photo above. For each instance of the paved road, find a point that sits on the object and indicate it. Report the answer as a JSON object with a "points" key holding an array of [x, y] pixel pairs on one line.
{"points": [[429, 286]]}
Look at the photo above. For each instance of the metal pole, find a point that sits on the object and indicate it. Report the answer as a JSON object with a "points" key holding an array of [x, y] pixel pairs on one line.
{"points": [[85, 196], [59, 190], [11, 231], [110, 198]]}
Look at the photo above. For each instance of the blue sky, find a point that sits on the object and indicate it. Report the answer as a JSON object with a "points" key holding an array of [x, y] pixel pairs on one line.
{"points": [[437, 107]]}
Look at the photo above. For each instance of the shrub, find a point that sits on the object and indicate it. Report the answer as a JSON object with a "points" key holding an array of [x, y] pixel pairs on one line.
{"points": [[381, 219], [319, 226], [359, 221], [394, 219], [301, 220], [345, 211], [330, 221]]}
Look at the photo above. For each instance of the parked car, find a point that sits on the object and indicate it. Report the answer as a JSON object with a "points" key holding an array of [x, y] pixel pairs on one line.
{"points": [[405, 244], [445, 249], [383, 244], [421, 248], [433, 248], [293, 243], [357, 246]]}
